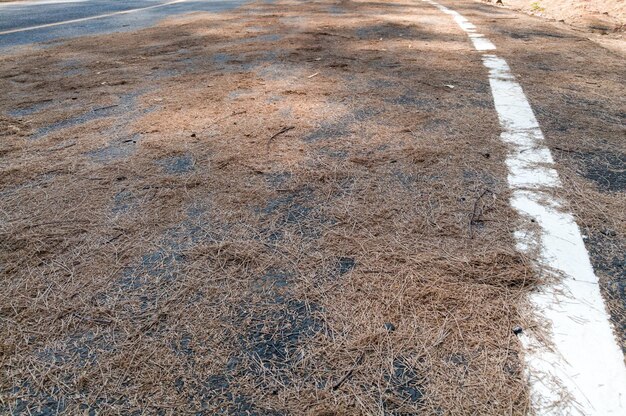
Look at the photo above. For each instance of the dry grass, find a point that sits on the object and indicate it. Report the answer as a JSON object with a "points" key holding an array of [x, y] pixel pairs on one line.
{"points": [[359, 263]]}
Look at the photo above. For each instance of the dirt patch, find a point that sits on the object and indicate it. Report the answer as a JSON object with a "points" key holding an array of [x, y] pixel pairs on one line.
{"points": [[282, 209], [601, 21], [594, 15]]}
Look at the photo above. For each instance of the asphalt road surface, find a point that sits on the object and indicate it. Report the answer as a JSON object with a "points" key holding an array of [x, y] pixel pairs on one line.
{"points": [[29, 22], [330, 206]]}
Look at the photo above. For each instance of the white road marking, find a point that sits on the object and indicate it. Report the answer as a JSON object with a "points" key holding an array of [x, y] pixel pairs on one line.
{"points": [[85, 19], [580, 369], [35, 2]]}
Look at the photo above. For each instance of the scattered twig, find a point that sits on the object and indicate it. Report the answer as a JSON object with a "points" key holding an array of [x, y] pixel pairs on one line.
{"points": [[329, 34], [234, 113], [96, 320], [106, 107], [283, 130], [565, 150], [112, 239], [475, 212], [349, 373], [56, 149]]}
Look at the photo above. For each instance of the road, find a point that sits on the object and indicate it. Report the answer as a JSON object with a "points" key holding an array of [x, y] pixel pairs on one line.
{"points": [[28, 22], [346, 207]]}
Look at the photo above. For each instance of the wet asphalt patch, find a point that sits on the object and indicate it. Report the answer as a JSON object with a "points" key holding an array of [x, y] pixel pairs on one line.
{"points": [[177, 164], [31, 109], [604, 250], [343, 126], [117, 150], [606, 169], [125, 103], [406, 385]]}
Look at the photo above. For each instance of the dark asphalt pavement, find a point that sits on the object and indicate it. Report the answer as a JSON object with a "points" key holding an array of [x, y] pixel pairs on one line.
{"points": [[30, 14]]}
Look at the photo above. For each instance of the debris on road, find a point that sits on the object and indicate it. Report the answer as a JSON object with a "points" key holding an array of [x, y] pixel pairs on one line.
{"points": [[195, 271]]}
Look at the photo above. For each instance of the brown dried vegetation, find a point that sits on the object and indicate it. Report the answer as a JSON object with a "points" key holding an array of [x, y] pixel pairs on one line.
{"points": [[167, 252]]}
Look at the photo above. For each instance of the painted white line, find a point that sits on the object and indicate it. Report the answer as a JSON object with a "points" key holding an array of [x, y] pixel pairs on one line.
{"points": [[580, 369], [584, 365], [481, 43], [22, 3], [85, 19]]}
